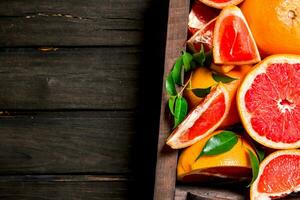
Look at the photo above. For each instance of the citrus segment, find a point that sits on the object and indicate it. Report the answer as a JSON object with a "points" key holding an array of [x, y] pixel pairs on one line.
{"points": [[203, 120], [233, 164], [233, 42], [221, 3], [202, 37], [199, 16], [269, 102], [279, 175], [275, 24]]}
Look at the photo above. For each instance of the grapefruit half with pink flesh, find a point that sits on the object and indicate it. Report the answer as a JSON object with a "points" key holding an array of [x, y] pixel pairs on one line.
{"points": [[279, 175], [203, 120], [233, 42], [269, 102]]}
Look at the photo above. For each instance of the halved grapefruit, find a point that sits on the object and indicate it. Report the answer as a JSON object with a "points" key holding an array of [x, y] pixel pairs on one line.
{"points": [[279, 175], [202, 37], [220, 4], [233, 42], [203, 120], [199, 16], [269, 102], [233, 165]]}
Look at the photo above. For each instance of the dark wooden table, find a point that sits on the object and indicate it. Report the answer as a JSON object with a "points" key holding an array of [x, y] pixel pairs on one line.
{"points": [[80, 85]]}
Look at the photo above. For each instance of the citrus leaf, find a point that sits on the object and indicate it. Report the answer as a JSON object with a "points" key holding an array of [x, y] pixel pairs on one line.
{"points": [[254, 165], [219, 143], [260, 153], [176, 71], [171, 104], [187, 58], [200, 57], [181, 108], [201, 92], [222, 78], [208, 58], [170, 85]]}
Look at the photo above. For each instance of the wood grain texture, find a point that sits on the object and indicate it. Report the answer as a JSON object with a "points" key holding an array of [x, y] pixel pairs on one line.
{"points": [[64, 187], [69, 78], [72, 23], [209, 193], [165, 177], [67, 142]]}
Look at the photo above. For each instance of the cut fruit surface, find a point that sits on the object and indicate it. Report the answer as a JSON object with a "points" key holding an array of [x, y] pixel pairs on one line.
{"points": [[233, 42], [231, 165], [203, 120], [199, 16], [269, 102], [220, 4], [279, 175], [202, 37]]}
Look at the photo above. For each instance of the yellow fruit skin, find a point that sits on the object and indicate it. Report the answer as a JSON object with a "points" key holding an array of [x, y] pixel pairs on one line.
{"points": [[236, 157], [275, 24], [202, 78]]}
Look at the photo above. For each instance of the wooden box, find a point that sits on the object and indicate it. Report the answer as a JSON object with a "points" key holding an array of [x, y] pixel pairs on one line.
{"points": [[166, 187]]}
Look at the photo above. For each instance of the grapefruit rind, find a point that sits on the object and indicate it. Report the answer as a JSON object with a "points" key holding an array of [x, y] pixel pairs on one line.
{"points": [[173, 140], [232, 11], [246, 116], [221, 5], [254, 194]]}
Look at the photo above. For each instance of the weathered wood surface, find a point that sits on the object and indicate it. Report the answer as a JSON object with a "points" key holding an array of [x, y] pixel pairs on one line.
{"points": [[72, 22], [68, 78], [72, 142], [64, 187], [165, 177]]}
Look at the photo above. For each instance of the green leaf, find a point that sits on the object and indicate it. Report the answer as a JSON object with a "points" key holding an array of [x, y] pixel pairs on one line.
{"points": [[219, 143], [200, 57], [208, 58], [176, 71], [260, 152], [193, 65], [181, 108], [254, 165], [171, 104], [187, 58], [201, 92], [170, 85], [222, 78]]}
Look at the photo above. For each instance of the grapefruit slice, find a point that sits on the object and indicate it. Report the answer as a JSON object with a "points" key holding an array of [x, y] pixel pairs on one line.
{"points": [[202, 37], [199, 16], [279, 175], [203, 120], [220, 4], [269, 102], [233, 42], [233, 165]]}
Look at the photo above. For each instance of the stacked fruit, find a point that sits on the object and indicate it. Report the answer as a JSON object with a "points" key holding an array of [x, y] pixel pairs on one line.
{"points": [[218, 88]]}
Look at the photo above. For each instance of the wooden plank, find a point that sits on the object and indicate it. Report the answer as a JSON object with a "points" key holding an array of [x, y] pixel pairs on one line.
{"points": [[72, 23], [165, 177], [63, 187], [209, 193], [67, 142], [69, 78]]}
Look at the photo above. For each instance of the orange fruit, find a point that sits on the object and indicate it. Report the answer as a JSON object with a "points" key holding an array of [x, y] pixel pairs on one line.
{"points": [[279, 175], [222, 69], [203, 120], [202, 78], [275, 24], [233, 42], [269, 102], [220, 4], [233, 164], [199, 16]]}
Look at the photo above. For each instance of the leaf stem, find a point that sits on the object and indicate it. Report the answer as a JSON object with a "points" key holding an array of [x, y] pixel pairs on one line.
{"points": [[185, 85]]}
